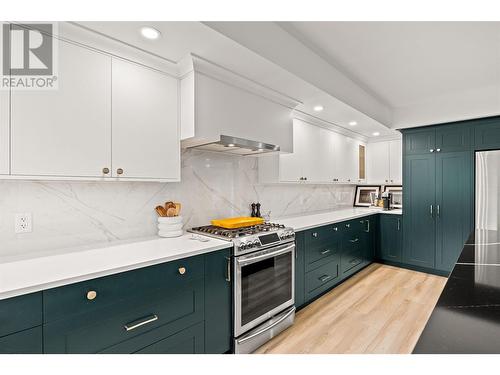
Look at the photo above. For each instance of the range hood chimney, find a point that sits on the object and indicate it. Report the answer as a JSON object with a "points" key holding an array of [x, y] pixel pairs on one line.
{"points": [[226, 112], [237, 146]]}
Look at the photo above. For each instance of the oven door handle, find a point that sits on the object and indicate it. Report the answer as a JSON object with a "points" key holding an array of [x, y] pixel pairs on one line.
{"points": [[267, 328], [255, 258]]}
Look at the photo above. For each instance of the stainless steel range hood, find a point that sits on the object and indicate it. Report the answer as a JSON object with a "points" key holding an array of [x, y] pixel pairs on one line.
{"points": [[237, 146]]}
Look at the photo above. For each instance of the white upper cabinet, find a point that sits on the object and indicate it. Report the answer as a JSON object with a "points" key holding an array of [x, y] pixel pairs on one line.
{"points": [[4, 133], [319, 156], [108, 119], [396, 161], [145, 137], [385, 162], [378, 162], [65, 131]]}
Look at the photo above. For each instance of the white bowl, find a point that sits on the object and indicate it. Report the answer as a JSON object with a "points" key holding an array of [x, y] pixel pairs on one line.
{"points": [[177, 233], [170, 220]]}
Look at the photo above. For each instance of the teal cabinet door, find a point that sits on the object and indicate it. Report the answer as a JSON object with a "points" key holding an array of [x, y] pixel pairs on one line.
{"points": [[368, 234], [419, 209], [453, 137], [218, 314], [390, 241], [453, 206], [188, 341], [299, 269], [25, 342], [487, 134], [20, 313], [419, 141]]}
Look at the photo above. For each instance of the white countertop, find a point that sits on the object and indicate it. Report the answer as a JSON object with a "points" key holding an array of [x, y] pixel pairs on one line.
{"points": [[308, 221], [26, 275]]}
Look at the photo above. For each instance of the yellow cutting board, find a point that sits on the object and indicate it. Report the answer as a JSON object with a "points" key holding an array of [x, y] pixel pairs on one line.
{"points": [[237, 222]]}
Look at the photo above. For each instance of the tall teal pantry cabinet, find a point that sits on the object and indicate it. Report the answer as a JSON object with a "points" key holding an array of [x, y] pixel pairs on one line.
{"points": [[438, 194]]}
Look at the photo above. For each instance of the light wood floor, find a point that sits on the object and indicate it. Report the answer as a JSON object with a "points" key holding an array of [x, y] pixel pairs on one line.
{"points": [[382, 309]]}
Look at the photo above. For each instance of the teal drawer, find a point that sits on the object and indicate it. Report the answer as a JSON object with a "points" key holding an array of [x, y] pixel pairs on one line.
{"points": [[322, 253], [188, 341], [63, 302], [322, 278], [164, 340], [351, 258], [94, 331], [317, 236], [20, 313], [25, 342]]}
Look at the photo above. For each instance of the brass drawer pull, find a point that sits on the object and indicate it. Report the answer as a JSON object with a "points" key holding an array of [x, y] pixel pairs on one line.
{"points": [[348, 225], [335, 229], [324, 252], [315, 235], [325, 278], [91, 295], [182, 270], [354, 240], [140, 323]]}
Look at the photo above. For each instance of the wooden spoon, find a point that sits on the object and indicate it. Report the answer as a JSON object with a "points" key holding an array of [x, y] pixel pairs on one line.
{"points": [[161, 211]]}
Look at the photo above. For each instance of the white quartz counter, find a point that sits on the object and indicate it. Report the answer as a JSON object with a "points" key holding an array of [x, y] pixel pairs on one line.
{"points": [[23, 275], [26, 275], [304, 222]]}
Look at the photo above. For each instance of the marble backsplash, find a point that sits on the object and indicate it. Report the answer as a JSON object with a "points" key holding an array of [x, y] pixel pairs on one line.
{"points": [[71, 214]]}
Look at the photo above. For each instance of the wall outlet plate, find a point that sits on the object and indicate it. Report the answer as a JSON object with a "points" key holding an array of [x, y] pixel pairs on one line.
{"points": [[23, 223]]}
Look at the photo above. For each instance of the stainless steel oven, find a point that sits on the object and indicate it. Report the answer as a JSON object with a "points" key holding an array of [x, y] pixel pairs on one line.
{"points": [[264, 295]]}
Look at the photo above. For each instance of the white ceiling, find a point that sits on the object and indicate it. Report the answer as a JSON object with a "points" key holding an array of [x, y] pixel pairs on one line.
{"points": [[181, 38], [408, 62], [381, 74]]}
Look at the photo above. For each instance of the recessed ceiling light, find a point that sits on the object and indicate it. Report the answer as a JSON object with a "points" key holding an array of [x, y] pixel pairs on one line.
{"points": [[230, 145], [353, 123], [376, 134], [150, 33], [318, 108]]}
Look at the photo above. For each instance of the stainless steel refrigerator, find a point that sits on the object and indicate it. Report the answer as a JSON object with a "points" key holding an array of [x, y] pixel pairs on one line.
{"points": [[487, 214]]}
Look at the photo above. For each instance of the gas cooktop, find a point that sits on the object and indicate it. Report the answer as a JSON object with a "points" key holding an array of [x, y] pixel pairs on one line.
{"points": [[249, 238]]}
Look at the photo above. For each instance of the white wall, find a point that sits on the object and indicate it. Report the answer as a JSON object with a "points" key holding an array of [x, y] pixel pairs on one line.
{"points": [[69, 214]]}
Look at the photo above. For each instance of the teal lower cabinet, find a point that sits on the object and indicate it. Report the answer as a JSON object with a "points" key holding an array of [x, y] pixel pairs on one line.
{"points": [[182, 306], [299, 270], [20, 324], [28, 341], [327, 255], [390, 242], [218, 314]]}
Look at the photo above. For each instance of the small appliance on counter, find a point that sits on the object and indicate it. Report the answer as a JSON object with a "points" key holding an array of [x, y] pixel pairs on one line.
{"points": [[263, 268], [169, 220]]}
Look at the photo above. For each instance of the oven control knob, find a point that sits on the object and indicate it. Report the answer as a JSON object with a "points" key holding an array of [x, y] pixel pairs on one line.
{"points": [[243, 246], [256, 243]]}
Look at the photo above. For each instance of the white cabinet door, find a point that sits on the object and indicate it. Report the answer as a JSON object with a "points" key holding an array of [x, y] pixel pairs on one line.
{"points": [[65, 131], [378, 162], [4, 132], [347, 155], [396, 162], [292, 166], [146, 137]]}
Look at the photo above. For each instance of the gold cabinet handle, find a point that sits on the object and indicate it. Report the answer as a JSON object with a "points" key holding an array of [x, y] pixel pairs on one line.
{"points": [[91, 295], [182, 270], [119, 171], [105, 170]]}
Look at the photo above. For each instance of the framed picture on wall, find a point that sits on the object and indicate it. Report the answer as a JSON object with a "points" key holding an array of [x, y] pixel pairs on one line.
{"points": [[397, 195], [364, 194]]}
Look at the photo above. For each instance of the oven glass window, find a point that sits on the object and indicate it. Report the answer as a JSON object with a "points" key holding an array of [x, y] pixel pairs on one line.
{"points": [[265, 285]]}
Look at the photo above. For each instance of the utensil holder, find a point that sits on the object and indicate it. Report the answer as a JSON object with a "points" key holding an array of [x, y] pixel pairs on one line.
{"points": [[170, 226]]}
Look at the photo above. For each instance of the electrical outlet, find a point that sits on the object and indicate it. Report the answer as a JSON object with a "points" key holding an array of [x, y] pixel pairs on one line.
{"points": [[23, 223]]}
